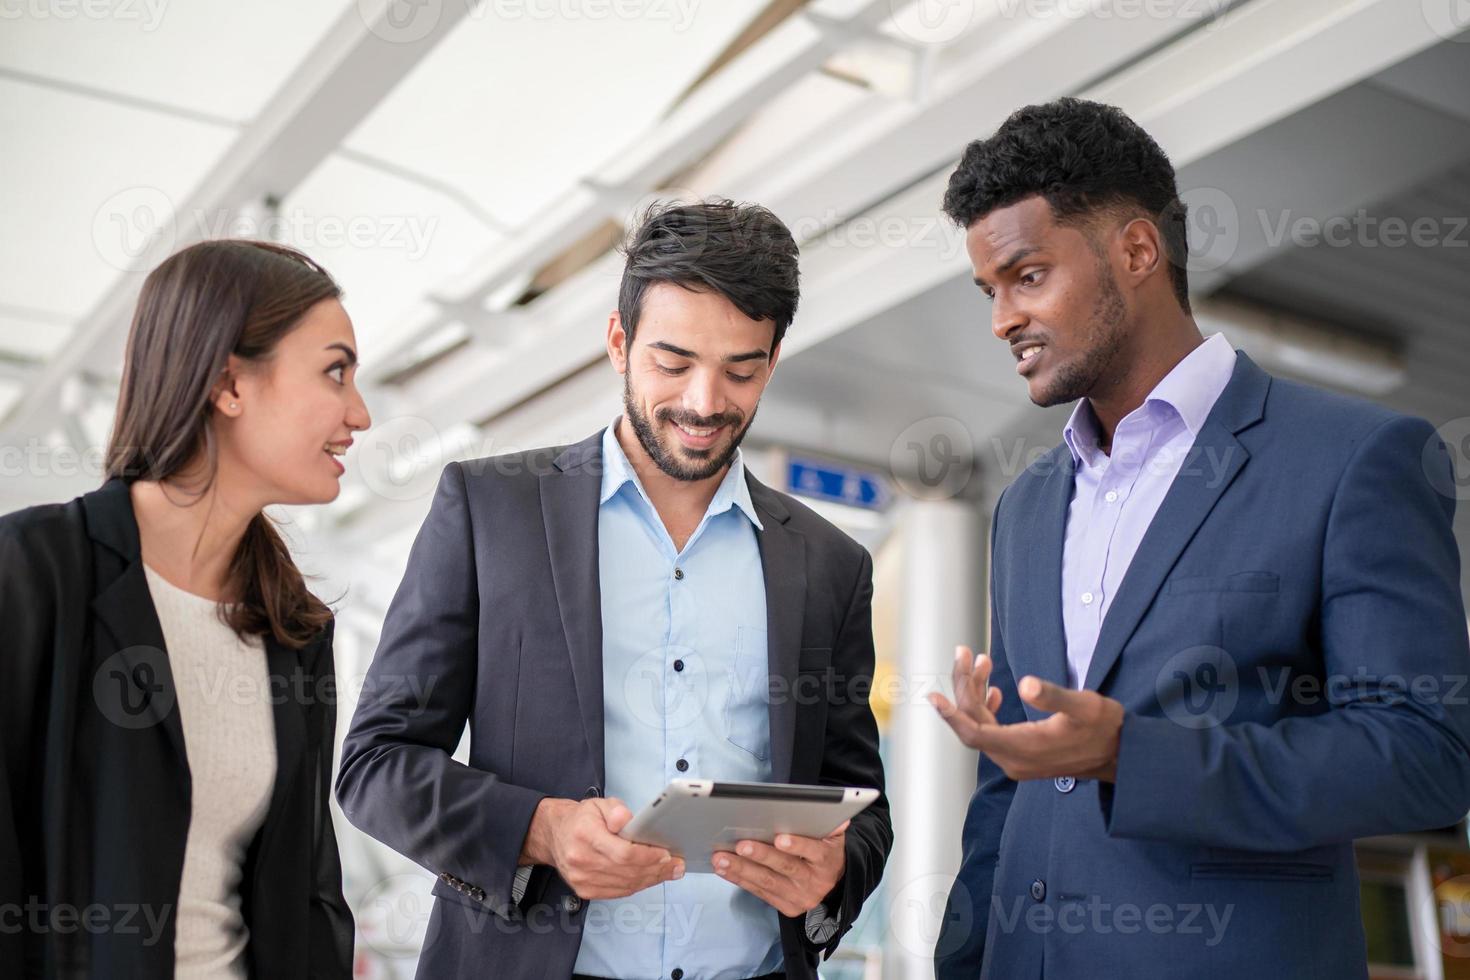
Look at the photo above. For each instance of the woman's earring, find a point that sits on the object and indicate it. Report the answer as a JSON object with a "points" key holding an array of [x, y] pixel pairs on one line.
{"points": [[233, 405]]}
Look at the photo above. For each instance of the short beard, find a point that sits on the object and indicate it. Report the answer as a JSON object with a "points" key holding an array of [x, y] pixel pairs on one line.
{"points": [[1080, 378], [665, 458]]}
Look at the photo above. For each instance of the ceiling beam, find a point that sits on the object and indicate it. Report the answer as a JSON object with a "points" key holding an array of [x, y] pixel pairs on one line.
{"points": [[364, 54], [707, 115], [846, 283], [870, 154]]}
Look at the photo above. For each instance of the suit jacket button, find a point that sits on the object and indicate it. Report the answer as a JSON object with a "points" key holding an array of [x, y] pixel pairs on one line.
{"points": [[1065, 784], [478, 894], [592, 791], [571, 903], [1038, 889]]}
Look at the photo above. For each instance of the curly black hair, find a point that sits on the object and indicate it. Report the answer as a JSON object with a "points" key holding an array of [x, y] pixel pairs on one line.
{"points": [[741, 251], [1089, 160]]}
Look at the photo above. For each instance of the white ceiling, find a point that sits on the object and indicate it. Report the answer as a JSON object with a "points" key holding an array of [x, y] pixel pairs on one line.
{"points": [[425, 163], [1396, 144]]}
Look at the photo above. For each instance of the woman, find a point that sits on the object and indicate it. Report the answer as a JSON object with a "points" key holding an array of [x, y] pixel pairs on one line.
{"points": [[168, 695]]}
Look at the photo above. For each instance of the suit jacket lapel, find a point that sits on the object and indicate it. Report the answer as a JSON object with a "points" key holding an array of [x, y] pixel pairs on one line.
{"points": [[569, 502], [569, 509], [783, 566], [141, 679], [1211, 467], [287, 678], [1040, 576]]}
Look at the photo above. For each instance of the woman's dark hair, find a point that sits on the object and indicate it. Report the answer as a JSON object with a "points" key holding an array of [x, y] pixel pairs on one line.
{"points": [[201, 305], [1088, 160], [741, 251]]}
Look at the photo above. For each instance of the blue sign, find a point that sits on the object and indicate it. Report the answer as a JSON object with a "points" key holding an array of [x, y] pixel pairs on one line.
{"points": [[836, 483]]}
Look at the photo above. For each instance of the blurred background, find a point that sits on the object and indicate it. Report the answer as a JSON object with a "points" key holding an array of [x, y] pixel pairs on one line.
{"points": [[466, 169]]}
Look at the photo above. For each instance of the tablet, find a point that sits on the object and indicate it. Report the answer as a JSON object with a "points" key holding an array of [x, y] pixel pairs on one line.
{"points": [[693, 818]]}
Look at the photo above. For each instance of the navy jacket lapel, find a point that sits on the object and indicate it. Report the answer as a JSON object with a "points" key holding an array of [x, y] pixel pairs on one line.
{"points": [[144, 683], [1040, 575], [1217, 458], [569, 501], [783, 566], [569, 508]]}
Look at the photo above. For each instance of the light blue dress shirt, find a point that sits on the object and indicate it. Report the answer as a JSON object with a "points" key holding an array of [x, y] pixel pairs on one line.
{"points": [[685, 680]]}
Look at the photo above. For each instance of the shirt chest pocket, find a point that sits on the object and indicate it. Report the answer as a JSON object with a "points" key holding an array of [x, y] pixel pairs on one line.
{"points": [[747, 703]]}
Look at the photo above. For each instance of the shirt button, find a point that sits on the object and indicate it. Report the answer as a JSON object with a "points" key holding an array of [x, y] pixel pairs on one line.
{"points": [[678, 665], [678, 974], [1038, 889], [678, 573], [1087, 598], [1110, 496], [1065, 784], [682, 765]]}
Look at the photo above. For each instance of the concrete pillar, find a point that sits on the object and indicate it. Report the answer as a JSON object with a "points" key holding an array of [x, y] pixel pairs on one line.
{"points": [[931, 775]]}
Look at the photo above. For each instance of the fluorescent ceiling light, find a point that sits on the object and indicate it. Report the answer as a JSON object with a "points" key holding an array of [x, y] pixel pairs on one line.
{"points": [[1310, 349]]}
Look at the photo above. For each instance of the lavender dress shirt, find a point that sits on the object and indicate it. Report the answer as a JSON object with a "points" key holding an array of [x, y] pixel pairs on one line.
{"points": [[1115, 495]]}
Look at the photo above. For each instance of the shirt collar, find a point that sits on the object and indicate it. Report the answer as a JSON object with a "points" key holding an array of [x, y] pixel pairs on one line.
{"points": [[1190, 389], [1080, 434], [734, 489]]}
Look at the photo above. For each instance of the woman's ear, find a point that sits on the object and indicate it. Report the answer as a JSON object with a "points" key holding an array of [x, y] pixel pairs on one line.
{"points": [[226, 394]]}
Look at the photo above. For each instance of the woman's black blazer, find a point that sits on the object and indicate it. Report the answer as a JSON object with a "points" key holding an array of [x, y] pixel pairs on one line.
{"points": [[94, 783]]}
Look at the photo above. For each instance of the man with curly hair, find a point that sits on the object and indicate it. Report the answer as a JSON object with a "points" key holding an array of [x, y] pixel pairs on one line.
{"points": [[1228, 635]]}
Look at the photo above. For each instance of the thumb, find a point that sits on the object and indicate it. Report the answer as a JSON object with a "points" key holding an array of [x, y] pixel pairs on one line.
{"points": [[840, 830], [615, 813], [1048, 696]]}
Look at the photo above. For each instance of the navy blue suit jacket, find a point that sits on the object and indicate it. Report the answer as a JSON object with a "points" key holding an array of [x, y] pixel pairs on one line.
{"points": [[1290, 646]]}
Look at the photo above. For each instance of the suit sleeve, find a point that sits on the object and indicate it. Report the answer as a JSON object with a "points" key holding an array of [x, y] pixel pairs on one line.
{"points": [[27, 613], [1392, 752], [331, 920], [398, 782], [961, 945], [851, 758]]}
